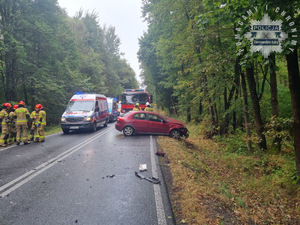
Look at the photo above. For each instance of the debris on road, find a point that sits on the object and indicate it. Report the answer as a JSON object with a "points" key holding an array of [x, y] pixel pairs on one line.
{"points": [[150, 179], [160, 153], [143, 167], [110, 176]]}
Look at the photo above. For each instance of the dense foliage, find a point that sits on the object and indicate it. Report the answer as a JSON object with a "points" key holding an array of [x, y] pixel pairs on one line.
{"points": [[46, 56], [197, 63]]}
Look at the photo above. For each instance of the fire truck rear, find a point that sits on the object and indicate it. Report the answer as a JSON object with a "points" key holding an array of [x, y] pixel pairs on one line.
{"points": [[132, 96]]}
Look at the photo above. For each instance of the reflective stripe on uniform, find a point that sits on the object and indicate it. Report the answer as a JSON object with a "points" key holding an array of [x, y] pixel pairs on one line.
{"points": [[21, 120], [4, 116]]}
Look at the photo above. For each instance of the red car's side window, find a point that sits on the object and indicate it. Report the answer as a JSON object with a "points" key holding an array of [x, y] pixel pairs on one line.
{"points": [[155, 118], [139, 116]]}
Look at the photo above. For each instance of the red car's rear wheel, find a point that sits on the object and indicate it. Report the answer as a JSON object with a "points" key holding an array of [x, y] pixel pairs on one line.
{"points": [[128, 131]]}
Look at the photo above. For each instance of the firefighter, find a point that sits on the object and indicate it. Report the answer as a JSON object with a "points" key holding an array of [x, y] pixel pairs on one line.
{"points": [[119, 106], [12, 127], [42, 115], [39, 122], [4, 118], [148, 107], [22, 115], [34, 116], [136, 107]]}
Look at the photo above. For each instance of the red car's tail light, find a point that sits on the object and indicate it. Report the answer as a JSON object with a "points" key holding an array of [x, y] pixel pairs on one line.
{"points": [[119, 119]]}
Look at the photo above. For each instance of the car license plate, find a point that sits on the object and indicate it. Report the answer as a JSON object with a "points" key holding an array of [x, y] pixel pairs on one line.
{"points": [[74, 127]]}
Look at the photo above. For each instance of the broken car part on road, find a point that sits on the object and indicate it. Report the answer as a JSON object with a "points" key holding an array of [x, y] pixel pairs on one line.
{"points": [[150, 179]]}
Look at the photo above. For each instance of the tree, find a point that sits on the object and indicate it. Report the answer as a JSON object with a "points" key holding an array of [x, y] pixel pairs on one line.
{"points": [[44, 51]]}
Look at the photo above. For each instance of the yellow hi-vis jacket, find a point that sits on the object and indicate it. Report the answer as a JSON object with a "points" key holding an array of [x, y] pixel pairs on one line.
{"points": [[12, 119], [136, 109], [35, 116], [21, 115], [3, 116], [42, 114]]}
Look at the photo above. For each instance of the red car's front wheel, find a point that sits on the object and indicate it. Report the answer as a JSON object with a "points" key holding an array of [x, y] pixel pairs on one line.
{"points": [[175, 134]]}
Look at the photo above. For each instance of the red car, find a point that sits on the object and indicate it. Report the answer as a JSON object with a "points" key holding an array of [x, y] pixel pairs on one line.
{"points": [[145, 122]]}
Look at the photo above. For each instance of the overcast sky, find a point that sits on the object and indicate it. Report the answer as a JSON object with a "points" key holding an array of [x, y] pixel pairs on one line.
{"points": [[124, 15]]}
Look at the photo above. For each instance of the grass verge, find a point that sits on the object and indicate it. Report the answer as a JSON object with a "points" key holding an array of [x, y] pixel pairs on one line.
{"points": [[212, 184], [52, 129]]}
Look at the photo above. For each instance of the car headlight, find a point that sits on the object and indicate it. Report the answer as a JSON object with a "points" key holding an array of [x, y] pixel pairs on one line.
{"points": [[63, 119], [88, 118]]}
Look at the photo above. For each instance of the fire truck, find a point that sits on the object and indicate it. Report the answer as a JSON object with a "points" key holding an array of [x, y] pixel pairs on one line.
{"points": [[132, 96]]}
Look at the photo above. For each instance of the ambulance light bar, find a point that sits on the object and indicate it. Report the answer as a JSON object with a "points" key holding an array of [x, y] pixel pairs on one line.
{"points": [[132, 90]]}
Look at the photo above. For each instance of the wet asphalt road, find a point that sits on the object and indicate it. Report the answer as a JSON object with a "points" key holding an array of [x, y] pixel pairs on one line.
{"points": [[82, 178]]}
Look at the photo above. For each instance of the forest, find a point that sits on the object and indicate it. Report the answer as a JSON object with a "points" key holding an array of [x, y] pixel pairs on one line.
{"points": [[46, 56], [197, 62]]}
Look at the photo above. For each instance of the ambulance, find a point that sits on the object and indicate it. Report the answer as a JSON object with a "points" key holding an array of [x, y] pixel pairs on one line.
{"points": [[112, 109], [85, 112]]}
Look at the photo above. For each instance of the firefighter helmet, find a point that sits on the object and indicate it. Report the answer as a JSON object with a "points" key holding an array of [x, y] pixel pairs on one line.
{"points": [[38, 106], [6, 105], [21, 103], [15, 107]]}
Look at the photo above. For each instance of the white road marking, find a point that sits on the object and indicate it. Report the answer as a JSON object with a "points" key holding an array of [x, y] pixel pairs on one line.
{"points": [[6, 148], [43, 167], [161, 217]]}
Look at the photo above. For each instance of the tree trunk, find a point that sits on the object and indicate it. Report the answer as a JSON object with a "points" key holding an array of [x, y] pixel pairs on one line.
{"points": [[10, 85], [234, 119], [274, 102], [200, 109], [246, 112], [25, 89], [262, 143], [294, 84], [174, 107], [210, 105], [225, 122], [188, 114], [13, 91], [215, 109], [227, 101], [211, 111], [3, 74], [273, 85]]}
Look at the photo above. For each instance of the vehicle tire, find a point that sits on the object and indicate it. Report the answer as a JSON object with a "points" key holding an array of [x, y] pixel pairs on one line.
{"points": [[66, 131], [128, 131], [106, 121], [175, 134], [93, 128]]}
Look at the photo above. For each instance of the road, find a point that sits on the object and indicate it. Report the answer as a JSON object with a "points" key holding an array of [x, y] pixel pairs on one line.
{"points": [[82, 178]]}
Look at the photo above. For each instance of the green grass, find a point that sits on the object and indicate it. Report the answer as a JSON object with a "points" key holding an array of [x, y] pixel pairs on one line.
{"points": [[52, 129]]}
